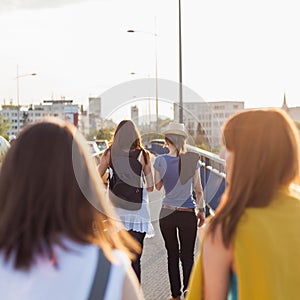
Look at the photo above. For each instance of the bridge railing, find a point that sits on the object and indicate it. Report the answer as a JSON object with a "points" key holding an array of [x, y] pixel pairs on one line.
{"points": [[212, 176], [212, 172]]}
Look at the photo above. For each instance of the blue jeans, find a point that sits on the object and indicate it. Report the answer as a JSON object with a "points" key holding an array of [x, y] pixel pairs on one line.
{"points": [[179, 230]]}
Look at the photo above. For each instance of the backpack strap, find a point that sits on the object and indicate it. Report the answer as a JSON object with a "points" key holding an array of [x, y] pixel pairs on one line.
{"points": [[140, 156], [98, 289], [143, 181]]}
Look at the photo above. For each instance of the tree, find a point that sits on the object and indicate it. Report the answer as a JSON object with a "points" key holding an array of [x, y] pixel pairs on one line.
{"points": [[92, 135], [105, 133], [4, 127], [201, 139]]}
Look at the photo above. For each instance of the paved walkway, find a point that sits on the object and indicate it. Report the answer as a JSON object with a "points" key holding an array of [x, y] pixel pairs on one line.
{"points": [[155, 282]]}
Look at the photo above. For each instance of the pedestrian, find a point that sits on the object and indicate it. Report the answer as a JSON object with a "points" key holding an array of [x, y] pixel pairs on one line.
{"points": [[127, 145], [251, 247], [179, 173], [54, 243]]}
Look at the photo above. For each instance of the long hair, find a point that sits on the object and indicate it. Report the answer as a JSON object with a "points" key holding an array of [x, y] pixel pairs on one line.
{"points": [[46, 180], [126, 138], [265, 149], [178, 141]]}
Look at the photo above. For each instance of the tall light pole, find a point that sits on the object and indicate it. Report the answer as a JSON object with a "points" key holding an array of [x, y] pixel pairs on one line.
{"points": [[149, 105], [18, 93], [180, 66], [156, 71]]}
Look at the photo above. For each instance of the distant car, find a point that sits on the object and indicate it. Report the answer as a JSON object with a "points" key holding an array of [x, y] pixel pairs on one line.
{"points": [[157, 147], [96, 153], [102, 144]]}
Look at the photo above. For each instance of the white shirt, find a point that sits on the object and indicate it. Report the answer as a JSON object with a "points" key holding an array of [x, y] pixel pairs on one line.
{"points": [[72, 278], [137, 220]]}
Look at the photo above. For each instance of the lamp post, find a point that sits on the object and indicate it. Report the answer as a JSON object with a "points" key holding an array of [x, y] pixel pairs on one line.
{"points": [[18, 93], [156, 73], [149, 105], [180, 66]]}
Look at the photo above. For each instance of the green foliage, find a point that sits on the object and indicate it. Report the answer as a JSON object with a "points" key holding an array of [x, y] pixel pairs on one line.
{"points": [[92, 135], [204, 146], [105, 133], [4, 127], [201, 139]]}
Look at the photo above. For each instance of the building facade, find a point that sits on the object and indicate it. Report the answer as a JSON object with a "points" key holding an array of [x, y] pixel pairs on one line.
{"points": [[94, 113], [15, 116], [134, 114], [204, 120], [20, 116], [294, 112]]}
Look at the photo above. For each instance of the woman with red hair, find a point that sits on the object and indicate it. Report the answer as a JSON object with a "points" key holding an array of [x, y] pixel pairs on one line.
{"points": [[251, 247]]}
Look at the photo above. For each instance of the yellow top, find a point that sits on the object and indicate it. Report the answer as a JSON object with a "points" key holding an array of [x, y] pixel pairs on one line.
{"points": [[266, 252]]}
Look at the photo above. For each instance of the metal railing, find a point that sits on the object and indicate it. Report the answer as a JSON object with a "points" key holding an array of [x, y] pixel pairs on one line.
{"points": [[212, 176]]}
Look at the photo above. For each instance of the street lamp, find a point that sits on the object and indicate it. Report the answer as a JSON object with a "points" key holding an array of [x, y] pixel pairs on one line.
{"points": [[180, 66], [156, 75], [18, 92], [149, 105]]}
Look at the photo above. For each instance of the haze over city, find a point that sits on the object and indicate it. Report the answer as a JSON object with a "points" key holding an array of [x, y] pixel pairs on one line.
{"points": [[233, 50]]}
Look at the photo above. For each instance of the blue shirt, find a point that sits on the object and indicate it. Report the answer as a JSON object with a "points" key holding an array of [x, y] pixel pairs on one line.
{"points": [[176, 194]]}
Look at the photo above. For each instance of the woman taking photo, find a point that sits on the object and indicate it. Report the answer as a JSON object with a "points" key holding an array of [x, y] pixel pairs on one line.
{"points": [[179, 173], [251, 247], [54, 243], [126, 146]]}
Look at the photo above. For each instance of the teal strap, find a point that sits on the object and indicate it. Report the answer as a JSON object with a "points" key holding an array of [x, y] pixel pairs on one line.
{"points": [[101, 277], [233, 290]]}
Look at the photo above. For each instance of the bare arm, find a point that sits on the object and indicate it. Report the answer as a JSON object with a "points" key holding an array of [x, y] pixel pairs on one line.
{"points": [[199, 198], [217, 261], [158, 181], [148, 174], [131, 287], [104, 163]]}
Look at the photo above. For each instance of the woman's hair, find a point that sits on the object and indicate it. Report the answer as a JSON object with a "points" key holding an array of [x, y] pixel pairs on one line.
{"points": [[265, 149], [127, 137], [178, 141], [49, 189]]}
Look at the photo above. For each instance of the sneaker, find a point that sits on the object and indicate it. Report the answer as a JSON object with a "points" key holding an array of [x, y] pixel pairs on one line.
{"points": [[185, 294]]}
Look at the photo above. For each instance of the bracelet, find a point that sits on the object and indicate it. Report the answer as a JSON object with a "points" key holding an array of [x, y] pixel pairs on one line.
{"points": [[201, 209]]}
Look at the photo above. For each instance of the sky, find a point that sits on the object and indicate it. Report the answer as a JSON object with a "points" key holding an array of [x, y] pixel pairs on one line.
{"points": [[231, 50]]}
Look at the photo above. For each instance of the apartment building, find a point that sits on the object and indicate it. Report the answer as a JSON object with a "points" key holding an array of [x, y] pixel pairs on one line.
{"points": [[12, 113], [207, 118], [20, 116], [94, 113]]}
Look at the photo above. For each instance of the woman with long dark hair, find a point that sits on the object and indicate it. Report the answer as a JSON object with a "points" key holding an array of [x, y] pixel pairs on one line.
{"points": [[58, 239], [127, 146]]}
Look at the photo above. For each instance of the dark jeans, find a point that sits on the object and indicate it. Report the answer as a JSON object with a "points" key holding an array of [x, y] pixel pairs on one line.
{"points": [[136, 264], [182, 225]]}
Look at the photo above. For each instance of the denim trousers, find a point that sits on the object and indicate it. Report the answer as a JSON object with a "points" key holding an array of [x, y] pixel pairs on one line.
{"points": [[136, 264], [179, 231]]}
